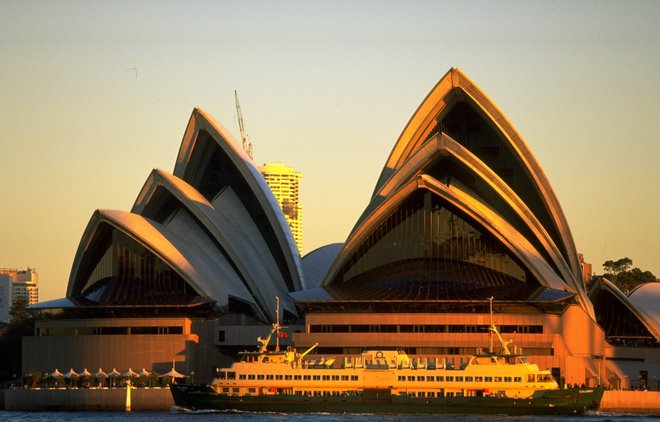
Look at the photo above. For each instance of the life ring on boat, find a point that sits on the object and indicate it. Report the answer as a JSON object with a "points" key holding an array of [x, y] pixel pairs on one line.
{"points": [[379, 354]]}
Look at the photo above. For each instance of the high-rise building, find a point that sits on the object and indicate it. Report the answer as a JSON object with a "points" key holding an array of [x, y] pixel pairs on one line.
{"points": [[285, 184], [15, 284]]}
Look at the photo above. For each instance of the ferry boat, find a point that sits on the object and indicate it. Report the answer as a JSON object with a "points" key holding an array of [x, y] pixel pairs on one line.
{"points": [[384, 381]]}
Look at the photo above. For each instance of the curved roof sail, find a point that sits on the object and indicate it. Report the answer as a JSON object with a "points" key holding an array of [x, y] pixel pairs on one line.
{"points": [[624, 322], [458, 107], [461, 147], [210, 160], [210, 234], [167, 199]]}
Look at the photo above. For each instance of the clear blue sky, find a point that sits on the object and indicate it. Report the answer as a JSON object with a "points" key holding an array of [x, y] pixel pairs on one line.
{"points": [[96, 93]]}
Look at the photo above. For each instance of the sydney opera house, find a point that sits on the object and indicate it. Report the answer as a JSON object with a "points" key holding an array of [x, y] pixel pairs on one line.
{"points": [[462, 212]]}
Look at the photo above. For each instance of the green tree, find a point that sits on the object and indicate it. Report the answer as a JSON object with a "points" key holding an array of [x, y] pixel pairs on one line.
{"points": [[20, 325], [618, 266], [623, 275]]}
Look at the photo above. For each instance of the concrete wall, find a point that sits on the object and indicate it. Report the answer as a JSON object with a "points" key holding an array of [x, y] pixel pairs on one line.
{"points": [[113, 351], [65, 344], [571, 342], [631, 402], [88, 399]]}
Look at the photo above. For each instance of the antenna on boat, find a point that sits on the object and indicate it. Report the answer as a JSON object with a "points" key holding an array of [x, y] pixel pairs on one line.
{"points": [[493, 329], [263, 342], [277, 323], [490, 301]]}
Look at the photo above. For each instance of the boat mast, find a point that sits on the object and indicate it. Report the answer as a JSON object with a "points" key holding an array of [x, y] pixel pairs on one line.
{"points": [[490, 301], [263, 342], [277, 323], [493, 329]]}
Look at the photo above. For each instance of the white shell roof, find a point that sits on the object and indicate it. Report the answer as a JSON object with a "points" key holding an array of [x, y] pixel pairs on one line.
{"points": [[646, 298]]}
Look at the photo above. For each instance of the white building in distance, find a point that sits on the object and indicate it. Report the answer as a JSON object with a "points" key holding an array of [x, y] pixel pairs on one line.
{"points": [[285, 184], [15, 284]]}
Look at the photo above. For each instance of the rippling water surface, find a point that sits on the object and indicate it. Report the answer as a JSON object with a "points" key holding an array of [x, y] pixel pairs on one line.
{"points": [[175, 416]]}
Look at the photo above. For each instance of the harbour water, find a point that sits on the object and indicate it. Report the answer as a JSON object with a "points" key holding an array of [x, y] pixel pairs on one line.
{"points": [[177, 416]]}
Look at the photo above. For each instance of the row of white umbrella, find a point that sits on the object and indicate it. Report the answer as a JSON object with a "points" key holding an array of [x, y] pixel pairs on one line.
{"points": [[113, 374]]}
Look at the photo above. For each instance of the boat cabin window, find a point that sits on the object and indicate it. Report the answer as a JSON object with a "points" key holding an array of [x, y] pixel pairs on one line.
{"points": [[497, 379], [297, 377], [469, 379], [251, 376], [222, 375], [517, 379], [279, 377], [530, 377], [242, 376], [269, 377], [411, 378], [440, 378], [344, 377], [354, 377], [450, 379], [307, 377], [260, 376], [288, 377], [479, 379], [420, 378], [488, 379], [459, 379], [431, 378], [231, 375], [508, 379], [252, 390]]}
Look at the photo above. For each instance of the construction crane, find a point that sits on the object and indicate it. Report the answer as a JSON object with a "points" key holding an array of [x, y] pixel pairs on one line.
{"points": [[247, 146]]}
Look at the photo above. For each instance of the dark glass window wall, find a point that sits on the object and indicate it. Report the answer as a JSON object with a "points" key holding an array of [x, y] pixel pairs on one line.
{"points": [[120, 271], [431, 244]]}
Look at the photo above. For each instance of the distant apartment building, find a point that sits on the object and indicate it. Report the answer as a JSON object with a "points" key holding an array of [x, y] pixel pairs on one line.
{"points": [[284, 182], [15, 284], [587, 269]]}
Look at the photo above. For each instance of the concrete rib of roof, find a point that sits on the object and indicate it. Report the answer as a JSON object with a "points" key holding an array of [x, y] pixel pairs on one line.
{"points": [[442, 145], [246, 251], [415, 148], [649, 322], [215, 246], [201, 122], [456, 85]]}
